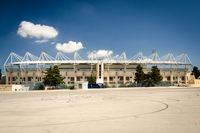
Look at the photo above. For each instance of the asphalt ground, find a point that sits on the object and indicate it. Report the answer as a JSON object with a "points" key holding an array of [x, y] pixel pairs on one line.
{"points": [[133, 110]]}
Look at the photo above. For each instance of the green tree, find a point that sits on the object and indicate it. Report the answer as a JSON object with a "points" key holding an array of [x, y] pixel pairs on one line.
{"points": [[53, 77], [155, 74], [139, 75], [91, 79], [196, 72], [148, 80]]}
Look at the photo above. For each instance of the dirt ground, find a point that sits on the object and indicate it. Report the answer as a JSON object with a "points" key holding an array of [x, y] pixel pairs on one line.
{"points": [[133, 110]]}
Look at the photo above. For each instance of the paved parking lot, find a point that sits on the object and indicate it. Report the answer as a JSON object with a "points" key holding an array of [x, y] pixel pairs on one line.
{"points": [[142, 110]]}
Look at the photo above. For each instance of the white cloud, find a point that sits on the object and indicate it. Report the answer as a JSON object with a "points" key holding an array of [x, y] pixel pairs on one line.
{"points": [[41, 41], [100, 54], [40, 32], [69, 47], [53, 42]]}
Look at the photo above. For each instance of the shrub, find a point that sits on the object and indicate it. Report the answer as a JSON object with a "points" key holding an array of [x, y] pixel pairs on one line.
{"points": [[132, 85], [148, 83], [106, 85], [62, 86], [164, 83], [39, 86], [71, 87], [122, 85]]}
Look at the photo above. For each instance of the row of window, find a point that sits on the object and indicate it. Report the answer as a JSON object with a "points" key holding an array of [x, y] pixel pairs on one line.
{"points": [[80, 78], [119, 78], [24, 79], [176, 78]]}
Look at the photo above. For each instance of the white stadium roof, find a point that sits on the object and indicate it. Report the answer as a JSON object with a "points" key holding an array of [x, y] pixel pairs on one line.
{"points": [[44, 58]]}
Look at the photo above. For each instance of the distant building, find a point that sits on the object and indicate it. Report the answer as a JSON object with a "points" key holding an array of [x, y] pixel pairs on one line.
{"points": [[193, 82], [30, 69]]}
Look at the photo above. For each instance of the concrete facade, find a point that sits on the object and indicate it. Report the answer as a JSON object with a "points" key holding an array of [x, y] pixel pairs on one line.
{"points": [[111, 74]]}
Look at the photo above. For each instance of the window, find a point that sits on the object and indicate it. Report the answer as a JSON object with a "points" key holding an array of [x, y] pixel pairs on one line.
{"points": [[99, 71], [79, 78], [120, 78], [87, 78], [72, 78], [39, 78], [29, 78], [168, 78]]}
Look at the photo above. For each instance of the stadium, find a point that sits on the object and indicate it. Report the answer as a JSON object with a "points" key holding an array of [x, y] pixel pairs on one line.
{"points": [[113, 71]]}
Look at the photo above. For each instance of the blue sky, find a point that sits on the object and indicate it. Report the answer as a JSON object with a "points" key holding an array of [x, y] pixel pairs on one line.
{"points": [[115, 25]]}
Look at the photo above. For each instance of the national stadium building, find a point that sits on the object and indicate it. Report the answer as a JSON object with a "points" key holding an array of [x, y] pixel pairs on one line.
{"points": [[113, 71]]}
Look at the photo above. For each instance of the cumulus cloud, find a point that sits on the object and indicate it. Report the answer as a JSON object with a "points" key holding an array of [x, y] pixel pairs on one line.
{"points": [[100, 54], [40, 32], [69, 47]]}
